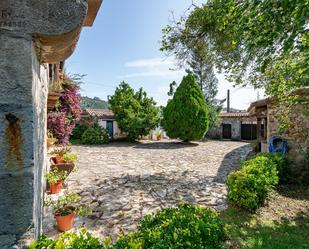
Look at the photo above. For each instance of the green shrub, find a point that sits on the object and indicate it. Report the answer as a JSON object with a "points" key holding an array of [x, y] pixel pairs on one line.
{"points": [[78, 132], [187, 226], [283, 166], [69, 240], [95, 135], [249, 187], [186, 116]]}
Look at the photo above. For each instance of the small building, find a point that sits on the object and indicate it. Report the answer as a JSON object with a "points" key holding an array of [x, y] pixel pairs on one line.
{"points": [[105, 118], [266, 111], [235, 126]]}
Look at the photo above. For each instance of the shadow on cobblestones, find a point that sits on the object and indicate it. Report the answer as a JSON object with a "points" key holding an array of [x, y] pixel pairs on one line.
{"points": [[231, 162]]}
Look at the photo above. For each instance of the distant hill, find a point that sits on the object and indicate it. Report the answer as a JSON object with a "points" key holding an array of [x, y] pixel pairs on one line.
{"points": [[93, 103]]}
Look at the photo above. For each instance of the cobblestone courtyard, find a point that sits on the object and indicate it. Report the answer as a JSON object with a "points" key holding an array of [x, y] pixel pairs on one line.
{"points": [[123, 181]]}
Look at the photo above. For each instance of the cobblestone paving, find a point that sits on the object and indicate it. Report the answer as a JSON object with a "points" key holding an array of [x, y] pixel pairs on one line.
{"points": [[123, 181]]}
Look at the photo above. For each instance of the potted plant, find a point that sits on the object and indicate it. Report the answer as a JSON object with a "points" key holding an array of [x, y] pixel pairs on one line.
{"points": [[55, 180], [62, 160], [58, 153], [65, 208]]}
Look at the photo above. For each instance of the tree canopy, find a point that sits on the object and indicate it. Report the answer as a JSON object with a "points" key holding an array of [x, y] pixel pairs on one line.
{"points": [[262, 43], [186, 115], [135, 113]]}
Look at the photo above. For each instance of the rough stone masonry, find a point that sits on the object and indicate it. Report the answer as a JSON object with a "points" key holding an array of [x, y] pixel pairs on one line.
{"points": [[31, 31]]}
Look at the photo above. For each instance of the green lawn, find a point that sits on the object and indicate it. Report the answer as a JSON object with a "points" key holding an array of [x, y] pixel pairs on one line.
{"points": [[283, 223]]}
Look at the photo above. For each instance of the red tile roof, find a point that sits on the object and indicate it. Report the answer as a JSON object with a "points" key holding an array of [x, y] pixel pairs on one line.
{"points": [[101, 113], [234, 114]]}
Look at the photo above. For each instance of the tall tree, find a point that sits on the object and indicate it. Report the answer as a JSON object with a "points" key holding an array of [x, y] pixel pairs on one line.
{"points": [[136, 113], [186, 115], [198, 62], [262, 43], [201, 67]]}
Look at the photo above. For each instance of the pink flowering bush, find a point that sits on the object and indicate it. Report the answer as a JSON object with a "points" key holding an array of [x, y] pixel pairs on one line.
{"points": [[64, 117]]}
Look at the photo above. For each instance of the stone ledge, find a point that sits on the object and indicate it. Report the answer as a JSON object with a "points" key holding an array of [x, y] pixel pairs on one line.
{"points": [[54, 24]]}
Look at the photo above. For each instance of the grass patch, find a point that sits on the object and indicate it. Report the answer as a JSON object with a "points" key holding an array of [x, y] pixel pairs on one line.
{"points": [[283, 223]]}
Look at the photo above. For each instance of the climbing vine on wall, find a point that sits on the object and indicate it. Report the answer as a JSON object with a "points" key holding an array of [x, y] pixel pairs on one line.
{"points": [[62, 120]]}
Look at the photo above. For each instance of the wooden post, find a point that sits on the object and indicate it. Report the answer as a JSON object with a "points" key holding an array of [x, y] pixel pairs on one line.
{"points": [[259, 140]]}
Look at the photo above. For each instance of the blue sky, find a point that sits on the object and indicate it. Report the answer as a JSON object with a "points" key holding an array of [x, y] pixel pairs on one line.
{"points": [[124, 44]]}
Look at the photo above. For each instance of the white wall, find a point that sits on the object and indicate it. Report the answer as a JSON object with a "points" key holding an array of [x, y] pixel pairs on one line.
{"points": [[102, 123]]}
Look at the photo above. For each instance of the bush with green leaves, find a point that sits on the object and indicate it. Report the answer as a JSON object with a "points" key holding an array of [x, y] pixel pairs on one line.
{"points": [[70, 240], [186, 116], [187, 226], [249, 187], [78, 132], [283, 165], [95, 135], [135, 112]]}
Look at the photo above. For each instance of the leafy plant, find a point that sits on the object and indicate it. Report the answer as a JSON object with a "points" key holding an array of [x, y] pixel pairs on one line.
{"points": [[95, 135], [78, 132], [55, 176], [70, 158], [61, 151], [69, 240], [67, 204], [283, 165], [262, 43], [249, 187], [186, 115], [187, 226], [136, 113]]}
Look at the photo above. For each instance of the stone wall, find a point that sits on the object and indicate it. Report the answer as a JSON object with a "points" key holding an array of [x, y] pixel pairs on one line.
{"points": [[236, 126], [216, 132], [22, 134], [297, 135]]}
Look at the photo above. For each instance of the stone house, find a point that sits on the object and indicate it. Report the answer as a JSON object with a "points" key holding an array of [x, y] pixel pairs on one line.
{"points": [[234, 126], [33, 36], [105, 118], [297, 135]]}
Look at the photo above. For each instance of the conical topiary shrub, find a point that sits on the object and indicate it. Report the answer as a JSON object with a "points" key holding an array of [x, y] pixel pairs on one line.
{"points": [[186, 115]]}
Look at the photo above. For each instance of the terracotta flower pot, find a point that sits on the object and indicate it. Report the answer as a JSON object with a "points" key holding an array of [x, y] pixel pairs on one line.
{"points": [[56, 187], [66, 166], [64, 223], [58, 159]]}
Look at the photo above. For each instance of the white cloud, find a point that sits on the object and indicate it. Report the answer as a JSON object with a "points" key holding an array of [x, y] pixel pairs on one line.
{"points": [[153, 62], [154, 67]]}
